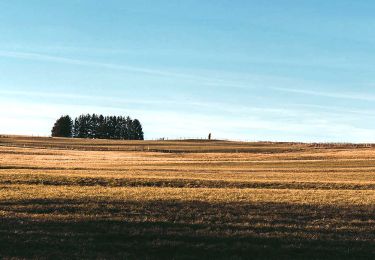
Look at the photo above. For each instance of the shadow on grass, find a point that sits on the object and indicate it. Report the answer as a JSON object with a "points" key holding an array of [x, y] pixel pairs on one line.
{"points": [[168, 229]]}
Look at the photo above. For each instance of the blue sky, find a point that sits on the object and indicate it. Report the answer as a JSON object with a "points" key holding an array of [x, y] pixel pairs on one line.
{"points": [[244, 70]]}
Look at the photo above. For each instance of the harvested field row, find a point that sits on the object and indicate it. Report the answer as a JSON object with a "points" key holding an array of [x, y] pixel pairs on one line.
{"points": [[308, 203], [111, 181]]}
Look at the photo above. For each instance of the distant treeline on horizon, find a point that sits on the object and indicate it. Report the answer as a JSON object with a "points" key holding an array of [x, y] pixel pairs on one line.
{"points": [[98, 126]]}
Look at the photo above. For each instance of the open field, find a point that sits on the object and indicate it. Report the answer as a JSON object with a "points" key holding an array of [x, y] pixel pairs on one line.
{"points": [[63, 198]]}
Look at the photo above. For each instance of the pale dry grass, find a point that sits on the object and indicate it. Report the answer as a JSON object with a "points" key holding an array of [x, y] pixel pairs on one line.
{"points": [[211, 195], [69, 199]]}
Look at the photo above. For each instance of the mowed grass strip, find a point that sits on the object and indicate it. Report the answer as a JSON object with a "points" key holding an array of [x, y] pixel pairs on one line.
{"points": [[297, 196], [178, 182]]}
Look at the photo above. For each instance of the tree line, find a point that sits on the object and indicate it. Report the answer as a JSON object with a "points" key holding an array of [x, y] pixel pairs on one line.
{"points": [[98, 126]]}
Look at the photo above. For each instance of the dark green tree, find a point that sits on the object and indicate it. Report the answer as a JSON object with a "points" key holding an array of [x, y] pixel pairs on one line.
{"points": [[102, 127], [76, 127], [63, 127], [137, 130], [130, 130], [109, 127], [81, 127]]}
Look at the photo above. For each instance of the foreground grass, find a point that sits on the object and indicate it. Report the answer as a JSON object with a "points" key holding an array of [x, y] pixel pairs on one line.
{"points": [[268, 201]]}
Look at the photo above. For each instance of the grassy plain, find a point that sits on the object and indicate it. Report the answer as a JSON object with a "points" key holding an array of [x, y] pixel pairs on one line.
{"points": [[63, 198]]}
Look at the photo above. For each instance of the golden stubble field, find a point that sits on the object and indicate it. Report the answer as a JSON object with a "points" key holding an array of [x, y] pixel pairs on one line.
{"points": [[63, 198]]}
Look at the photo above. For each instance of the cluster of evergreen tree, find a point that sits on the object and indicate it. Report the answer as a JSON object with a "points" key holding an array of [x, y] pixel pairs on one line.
{"points": [[63, 127], [99, 126]]}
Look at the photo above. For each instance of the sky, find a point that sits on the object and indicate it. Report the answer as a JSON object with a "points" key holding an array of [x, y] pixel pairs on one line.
{"points": [[248, 70]]}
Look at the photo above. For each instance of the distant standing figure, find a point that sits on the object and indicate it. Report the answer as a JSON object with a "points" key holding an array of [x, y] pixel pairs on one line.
{"points": [[209, 136]]}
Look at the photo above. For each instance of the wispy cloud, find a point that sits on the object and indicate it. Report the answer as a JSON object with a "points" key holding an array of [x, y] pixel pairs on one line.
{"points": [[82, 97], [291, 122], [285, 111], [31, 118], [247, 82], [208, 81], [51, 58], [185, 104], [342, 95]]}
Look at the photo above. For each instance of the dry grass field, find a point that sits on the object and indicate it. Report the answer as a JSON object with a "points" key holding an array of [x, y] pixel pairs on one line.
{"points": [[63, 198]]}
